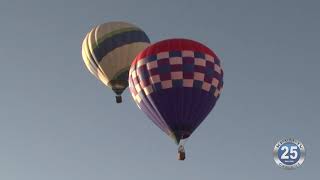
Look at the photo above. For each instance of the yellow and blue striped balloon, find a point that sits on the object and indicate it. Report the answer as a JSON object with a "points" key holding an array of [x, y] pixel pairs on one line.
{"points": [[109, 49]]}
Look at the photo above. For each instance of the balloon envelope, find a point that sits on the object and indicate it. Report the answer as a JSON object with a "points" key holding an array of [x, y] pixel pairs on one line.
{"points": [[176, 82], [109, 49]]}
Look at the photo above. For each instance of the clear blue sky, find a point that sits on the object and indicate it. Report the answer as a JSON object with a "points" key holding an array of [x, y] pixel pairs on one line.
{"points": [[57, 122]]}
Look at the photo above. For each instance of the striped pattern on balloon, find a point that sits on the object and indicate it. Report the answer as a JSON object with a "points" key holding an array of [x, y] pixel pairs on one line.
{"points": [[108, 51]]}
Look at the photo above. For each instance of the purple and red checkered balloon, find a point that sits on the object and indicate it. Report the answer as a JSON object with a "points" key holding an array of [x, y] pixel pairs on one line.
{"points": [[176, 82]]}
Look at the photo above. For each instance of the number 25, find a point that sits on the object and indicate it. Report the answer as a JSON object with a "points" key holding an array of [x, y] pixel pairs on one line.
{"points": [[293, 150]]}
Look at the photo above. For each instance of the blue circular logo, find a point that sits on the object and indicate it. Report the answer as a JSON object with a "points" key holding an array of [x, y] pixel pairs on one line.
{"points": [[289, 153]]}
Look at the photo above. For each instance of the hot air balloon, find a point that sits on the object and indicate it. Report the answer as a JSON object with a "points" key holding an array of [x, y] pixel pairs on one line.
{"points": [[108, 51], [176, 83]]}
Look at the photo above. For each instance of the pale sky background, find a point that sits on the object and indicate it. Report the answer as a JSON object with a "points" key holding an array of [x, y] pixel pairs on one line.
{"points": [[57, 122]]}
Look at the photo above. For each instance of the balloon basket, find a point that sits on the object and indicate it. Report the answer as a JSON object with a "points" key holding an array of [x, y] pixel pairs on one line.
{"points": [[118, 99], [181, 153]]}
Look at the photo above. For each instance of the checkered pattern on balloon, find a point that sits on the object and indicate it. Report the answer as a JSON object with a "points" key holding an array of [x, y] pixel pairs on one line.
{"points": [[176, 88]]}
